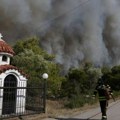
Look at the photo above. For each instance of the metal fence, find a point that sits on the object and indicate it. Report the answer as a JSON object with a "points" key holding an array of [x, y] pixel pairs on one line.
{"points": [[18, 101]]}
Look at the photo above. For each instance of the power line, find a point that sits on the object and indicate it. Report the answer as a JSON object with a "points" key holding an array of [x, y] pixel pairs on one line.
{"points": [[59, 16]]}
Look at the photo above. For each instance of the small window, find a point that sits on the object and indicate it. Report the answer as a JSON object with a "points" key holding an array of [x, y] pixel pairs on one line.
{"points": [[4, 58]]}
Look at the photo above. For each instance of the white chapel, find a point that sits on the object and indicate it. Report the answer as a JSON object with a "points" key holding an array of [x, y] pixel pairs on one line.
{"points": [[12, 99]]}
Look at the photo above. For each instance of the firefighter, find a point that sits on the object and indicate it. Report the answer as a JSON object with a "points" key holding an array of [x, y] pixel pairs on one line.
{"points": [[101, 88]]}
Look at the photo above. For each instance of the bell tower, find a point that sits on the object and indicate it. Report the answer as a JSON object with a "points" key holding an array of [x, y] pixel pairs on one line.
{"points": [[11, 100], [6, 52]]}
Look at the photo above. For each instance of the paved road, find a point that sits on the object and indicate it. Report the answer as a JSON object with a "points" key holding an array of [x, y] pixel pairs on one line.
{"points": [[113, 113]]}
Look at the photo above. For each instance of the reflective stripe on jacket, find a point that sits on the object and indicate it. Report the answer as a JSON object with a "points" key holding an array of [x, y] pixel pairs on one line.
{"points": [[102, 98]]}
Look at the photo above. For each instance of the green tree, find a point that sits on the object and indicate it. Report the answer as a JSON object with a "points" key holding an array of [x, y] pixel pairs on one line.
{"points": [[76, 83], [93, 75], [34, 61], [33, 44], [114, 78]]}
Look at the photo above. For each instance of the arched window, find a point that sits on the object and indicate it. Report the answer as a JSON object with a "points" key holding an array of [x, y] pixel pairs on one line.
{"points": [[4, 58]]}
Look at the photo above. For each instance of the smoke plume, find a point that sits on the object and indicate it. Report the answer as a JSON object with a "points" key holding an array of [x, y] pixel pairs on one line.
{"points": [[76, 31]]}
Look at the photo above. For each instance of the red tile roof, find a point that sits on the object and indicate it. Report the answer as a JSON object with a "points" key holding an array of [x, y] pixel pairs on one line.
{"points": [[3, 68], [4, 47]]}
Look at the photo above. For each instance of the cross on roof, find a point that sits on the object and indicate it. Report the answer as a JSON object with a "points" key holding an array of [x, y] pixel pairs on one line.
{"points": [[1, 36]]}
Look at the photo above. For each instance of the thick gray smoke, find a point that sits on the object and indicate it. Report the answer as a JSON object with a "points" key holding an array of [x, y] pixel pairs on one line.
{"points": [[76, 31]]}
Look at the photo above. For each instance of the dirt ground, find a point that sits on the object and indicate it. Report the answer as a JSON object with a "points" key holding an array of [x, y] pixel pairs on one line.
{"points": [[55, 109]]}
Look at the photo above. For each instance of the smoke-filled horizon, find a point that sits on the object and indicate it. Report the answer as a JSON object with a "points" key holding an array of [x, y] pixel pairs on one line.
{"points": [[76, 31]]}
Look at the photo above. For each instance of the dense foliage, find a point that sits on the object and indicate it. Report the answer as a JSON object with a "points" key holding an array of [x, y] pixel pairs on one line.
{"points": [[79, 85], [113, 77], [34, 61]]}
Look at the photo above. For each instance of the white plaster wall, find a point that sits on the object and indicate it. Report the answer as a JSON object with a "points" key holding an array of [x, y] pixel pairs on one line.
{"points": [[2, 76], [1, 95], [21, 97]]}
